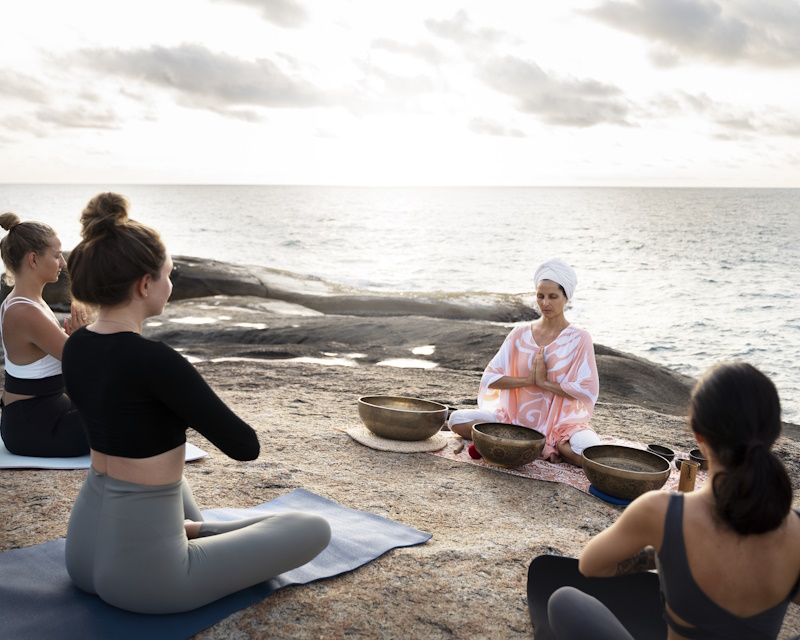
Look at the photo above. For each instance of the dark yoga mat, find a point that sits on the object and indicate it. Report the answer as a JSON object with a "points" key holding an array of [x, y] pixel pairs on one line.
{"points": [[634, 598], [38, 600]]}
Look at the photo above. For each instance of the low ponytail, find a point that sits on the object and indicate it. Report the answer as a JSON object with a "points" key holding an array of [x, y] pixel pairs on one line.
{"points": [[736, 409]]}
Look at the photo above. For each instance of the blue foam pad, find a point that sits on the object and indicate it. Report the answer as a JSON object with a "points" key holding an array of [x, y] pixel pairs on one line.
{"points": [[38, 600], [604, 496]]}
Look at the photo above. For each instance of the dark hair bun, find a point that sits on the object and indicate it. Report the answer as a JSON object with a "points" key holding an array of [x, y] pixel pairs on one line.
{"points": [[104, 213], [9, 220], [115, 252]]}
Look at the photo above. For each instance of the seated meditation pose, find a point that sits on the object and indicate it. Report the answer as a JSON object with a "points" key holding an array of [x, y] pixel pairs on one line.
{"points": [[544, 377], [728, 555], [38, 418], [136, 537]]}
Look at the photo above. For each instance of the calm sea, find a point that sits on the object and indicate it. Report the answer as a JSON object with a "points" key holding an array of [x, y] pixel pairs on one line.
{"points": [[683, 277]]}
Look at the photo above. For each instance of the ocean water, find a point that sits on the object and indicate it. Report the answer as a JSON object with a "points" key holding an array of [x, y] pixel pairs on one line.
{"points": [[683, 277]]}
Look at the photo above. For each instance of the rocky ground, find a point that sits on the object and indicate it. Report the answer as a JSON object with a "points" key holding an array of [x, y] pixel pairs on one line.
{"points": [[469, 580]]}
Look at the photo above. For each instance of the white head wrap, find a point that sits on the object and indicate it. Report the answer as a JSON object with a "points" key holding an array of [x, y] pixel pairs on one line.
{"points": [[560, 272]]}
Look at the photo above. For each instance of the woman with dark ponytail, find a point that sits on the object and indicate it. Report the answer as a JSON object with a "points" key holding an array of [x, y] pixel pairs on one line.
{"points": [[38, 418], [728, 555], [136, 537]]}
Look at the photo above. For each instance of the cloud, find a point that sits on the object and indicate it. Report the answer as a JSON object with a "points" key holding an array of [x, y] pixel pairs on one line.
{"points": [[727, 122], [421, 50], [664, 58], [79, 117], [489, 127], [22, 87], [382, 92], [283, 13], [460, 29], [204, 79], [762, 33], [566, 102], [17, 123], [378, 80]]}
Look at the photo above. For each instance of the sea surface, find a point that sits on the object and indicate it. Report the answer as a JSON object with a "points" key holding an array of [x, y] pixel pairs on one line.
{"points": [[682, 277]]}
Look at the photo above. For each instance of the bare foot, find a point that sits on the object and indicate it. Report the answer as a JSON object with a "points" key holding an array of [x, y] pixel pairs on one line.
{"points": [[464, 430], [192, 529]]}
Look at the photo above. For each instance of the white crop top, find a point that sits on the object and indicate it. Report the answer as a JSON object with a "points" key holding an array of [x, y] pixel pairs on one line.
{"points": [[42, 368]]}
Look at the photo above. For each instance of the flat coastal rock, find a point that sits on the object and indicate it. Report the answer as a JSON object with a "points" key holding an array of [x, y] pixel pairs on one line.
{"points": [[295, 376], [195, 277]]}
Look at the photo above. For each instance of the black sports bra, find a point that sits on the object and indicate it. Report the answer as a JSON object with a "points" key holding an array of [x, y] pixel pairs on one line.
{"points": [[689, 601]]}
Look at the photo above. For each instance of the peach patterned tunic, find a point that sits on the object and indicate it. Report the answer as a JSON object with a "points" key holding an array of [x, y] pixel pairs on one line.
{"points": [[570, 362]]}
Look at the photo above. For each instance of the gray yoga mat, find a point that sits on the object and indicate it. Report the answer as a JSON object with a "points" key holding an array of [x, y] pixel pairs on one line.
{"points": [[38, 600]]}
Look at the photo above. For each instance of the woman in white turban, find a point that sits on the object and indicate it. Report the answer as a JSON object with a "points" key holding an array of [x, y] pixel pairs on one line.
{"points": [[544, 377]]}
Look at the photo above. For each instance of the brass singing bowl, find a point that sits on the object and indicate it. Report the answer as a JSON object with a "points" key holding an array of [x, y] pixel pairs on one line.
{"points": [[401, 418], [699, 458], [507, 445], [624, 472], [664, 452]]}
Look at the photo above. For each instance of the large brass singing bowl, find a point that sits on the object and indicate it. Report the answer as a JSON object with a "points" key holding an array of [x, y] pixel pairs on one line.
{"points": [[507, 445], [624, 472], [401, 418]]}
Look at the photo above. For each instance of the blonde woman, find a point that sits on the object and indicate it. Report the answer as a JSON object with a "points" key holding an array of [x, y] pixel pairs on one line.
{"points": [[38, 418]]}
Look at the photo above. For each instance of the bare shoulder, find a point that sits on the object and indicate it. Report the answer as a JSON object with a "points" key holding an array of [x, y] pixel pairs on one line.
{"points": [[26, 313], [19, 306], [650, 507]]}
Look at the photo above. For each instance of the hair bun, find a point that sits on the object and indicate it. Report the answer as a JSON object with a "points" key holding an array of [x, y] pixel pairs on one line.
{"points": [[9, 220], [104, 213]]}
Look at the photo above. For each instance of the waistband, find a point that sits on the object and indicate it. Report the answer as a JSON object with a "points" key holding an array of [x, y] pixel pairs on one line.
{"points": [[34, 386], [95, 478]]}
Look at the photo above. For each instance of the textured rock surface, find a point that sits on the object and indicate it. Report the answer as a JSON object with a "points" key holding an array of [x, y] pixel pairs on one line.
{"points": [[195, 278], [468, 581]]}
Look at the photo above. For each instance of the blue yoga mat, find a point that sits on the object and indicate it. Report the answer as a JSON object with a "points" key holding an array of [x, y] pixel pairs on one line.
{"points": [[38, 600]]}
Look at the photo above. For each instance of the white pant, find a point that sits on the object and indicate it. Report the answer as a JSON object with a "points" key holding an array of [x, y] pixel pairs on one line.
{"points": [[579, 440]]}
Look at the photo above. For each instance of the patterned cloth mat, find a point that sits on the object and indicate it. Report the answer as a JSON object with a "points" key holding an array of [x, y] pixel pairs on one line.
{"points": [[562, 472], [547, 471]]}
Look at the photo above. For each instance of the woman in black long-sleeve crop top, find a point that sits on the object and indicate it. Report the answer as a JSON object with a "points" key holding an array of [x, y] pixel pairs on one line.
{"points": [[136, 537]]}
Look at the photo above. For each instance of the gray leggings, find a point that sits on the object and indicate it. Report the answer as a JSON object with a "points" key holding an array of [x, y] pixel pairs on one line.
{"points": [[575, 615], [127, 543]]}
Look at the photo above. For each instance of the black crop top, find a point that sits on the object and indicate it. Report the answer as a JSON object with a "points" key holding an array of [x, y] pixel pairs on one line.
{"points": [[136, 397]]}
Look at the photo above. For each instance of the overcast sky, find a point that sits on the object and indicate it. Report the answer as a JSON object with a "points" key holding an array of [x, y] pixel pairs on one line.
{"points": [[374, 92]]}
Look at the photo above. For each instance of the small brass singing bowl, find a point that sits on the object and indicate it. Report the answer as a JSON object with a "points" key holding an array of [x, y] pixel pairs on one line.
{"points": [[664, 452], [507, 445], [401, 418], [699, 458], [624, 472]]}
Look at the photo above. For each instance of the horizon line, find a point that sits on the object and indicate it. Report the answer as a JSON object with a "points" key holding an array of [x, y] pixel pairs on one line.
{"points": [[385, 186]]}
